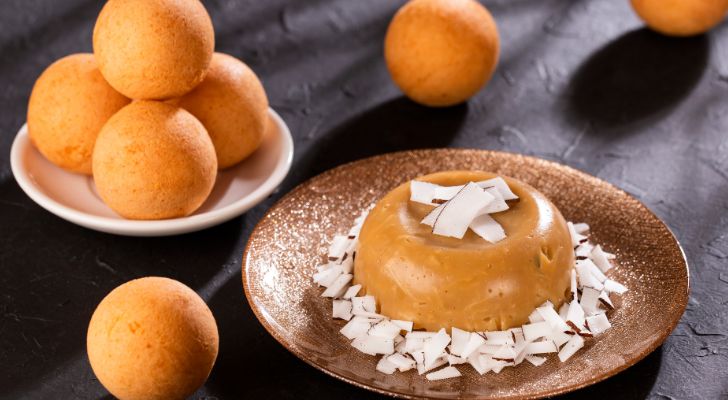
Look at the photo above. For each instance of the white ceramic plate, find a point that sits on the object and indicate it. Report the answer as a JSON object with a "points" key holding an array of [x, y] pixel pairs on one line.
{"points": [[73, 197]]}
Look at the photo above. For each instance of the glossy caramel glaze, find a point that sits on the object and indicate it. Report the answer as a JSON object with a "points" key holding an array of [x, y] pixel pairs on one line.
{"points": [[442, 282]]}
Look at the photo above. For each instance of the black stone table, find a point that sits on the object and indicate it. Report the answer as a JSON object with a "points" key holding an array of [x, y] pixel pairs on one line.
{"points": [[579, 81]]}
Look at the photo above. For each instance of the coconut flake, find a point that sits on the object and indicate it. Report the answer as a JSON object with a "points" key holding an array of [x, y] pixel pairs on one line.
{"points": [[589, 300], [460, 339], [574, 286], [586, 278], [606, 300], [459, 212], [488, 348], [614, 287], [505, 353], [455, 360], [499, 184], [338, 287], [532, 332], [488, 228], [342, 309], [499, 337], [598, 323], [351, 291], [581, 228], [402, 362], [593, 269], [445, 373], [422, 192], [546, 346], [564, 311], [355, 327], [575, 316], [474, 342], [536, 360], [363, 304], [576, 238], [550, 316], [476, 361], [535, 316], [373, 345], [559, 337], [338, 247], [497, 205], [431, 217], [572, 346], [600, 258], [385, 366], [327, 277], [403, 325], [385, 329], [583, 250], [435, 347]]}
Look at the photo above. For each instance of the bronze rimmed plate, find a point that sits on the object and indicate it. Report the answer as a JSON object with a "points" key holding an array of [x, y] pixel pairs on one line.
{"points": [[291, 239]]}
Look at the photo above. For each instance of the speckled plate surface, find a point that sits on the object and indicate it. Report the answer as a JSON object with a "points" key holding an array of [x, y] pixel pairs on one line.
{"points": [[292, 238]]}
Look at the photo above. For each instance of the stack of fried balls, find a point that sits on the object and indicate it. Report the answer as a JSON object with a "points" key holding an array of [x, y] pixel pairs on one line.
{"points": [[153, 113]]}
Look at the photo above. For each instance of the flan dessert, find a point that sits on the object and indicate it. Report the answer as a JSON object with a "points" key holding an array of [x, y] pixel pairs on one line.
{"points": [[440, 282]]}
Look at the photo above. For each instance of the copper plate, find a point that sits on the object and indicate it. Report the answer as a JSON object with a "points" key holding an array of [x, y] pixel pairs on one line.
{"points": [[292, 239]]}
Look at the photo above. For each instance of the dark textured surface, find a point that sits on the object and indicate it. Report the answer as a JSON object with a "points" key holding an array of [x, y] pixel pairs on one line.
{"points": [[579, 82]]}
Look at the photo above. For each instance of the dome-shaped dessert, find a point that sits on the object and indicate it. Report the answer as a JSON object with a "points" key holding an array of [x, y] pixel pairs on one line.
{"points": [[469, 283]]}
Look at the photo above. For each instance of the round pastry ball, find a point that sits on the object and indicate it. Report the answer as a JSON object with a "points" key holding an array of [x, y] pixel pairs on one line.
{"points": [[441, 52], [152, 338], [69, 104], [681, 17], [232, 105], [153, 49], [153, 160]]}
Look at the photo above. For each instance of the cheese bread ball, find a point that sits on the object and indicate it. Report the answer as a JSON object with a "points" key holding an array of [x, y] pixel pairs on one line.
{"points": [[681, 17], [469, 283], [152, 338], [232, 105], [153, 160], [69, 104], [153, 49], [441, 52]]}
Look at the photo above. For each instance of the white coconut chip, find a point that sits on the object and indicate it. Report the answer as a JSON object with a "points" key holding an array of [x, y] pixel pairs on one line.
{"points": [[574, 286], [614, 287], [422, 192], [413, 344], [536, 360], [600, 258], [605, 299], [338, 287], [575, 317], [581, 228], [586, 278], [598, 323], [400, 347], [583, 250], [327, 277], [488, 228], [505, 353], [351, 291], [550, 316], [342, 309], [590, 300], [385, 366], [363, 304], [542, 347], [473, 345], [537, 330], [460, 211], [476, 361], [460, 339], [347, 264], [446, 193], [517, 334], [355, 327], [488, 348], [576, 238], [593, 269], [420, 334], [499, 337], [373, 345], [385, 329], [431, 217], [338, 247], [493, 364], [534, 317], [402, 362], [501, 185], [571, 347], [420, 358], [455, 360], [434, 347], [445, 373], [497, 205], [564, 311], [403, 325]]}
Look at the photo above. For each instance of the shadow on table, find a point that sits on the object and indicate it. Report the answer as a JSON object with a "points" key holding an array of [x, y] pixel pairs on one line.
{"points": [[634, 383], [395, 125], [636, 76], [252, 364]]}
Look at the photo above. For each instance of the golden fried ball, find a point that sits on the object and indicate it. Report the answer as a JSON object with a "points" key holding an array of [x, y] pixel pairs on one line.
{"points": [[232, 105], [69, 104], [153, 49], [153, 160], [681, 17], [441, 52], [152, 338]]}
